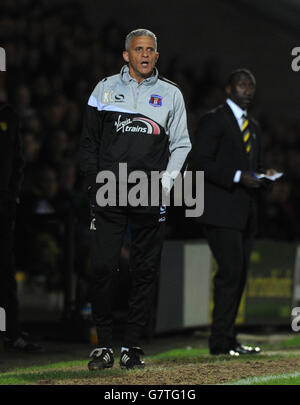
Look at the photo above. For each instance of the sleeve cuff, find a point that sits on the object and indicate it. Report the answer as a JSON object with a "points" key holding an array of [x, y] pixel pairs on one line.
{"points": [[237, 176]]}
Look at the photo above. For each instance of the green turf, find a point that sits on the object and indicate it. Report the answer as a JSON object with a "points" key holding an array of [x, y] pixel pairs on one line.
{"points": [[55, 371], [47, 376], [280, 379], [202, 356], [77, 369], [293, 342], [290, 343], [65, 370], [178, 353]]}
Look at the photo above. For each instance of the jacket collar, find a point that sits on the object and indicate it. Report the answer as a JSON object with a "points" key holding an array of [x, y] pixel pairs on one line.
{"points": [[126, 78], [232, 119], [232, 122], [237, 111]]}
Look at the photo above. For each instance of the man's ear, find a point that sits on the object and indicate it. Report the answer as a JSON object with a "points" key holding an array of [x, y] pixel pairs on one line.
{"points": [[156, 57], [126, 56], [228, 90]]}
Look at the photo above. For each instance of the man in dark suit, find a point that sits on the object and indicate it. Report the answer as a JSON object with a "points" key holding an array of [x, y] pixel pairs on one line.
{"points": [[227, 149]]}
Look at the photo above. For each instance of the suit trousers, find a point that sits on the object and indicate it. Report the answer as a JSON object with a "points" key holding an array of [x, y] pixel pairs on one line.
{"points": [[231, 249], [146, 227]]}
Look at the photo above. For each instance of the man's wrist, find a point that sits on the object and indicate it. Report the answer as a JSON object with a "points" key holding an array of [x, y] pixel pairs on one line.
{"points": [[166, 182], [90, 182]]}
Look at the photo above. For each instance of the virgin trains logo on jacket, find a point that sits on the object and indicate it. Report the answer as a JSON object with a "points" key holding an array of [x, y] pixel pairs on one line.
{"points": [[137, 125]]}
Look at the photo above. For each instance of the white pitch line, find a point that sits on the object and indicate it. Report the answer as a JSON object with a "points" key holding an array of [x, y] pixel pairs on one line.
{"points": [[253, 380]]}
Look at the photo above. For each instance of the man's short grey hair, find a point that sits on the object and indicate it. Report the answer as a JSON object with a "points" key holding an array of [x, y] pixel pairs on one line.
{"points": [[138, 33]]}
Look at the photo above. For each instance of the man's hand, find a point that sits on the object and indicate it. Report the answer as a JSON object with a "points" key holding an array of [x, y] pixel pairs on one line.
{"points": [[271, 172], [249, 180]]}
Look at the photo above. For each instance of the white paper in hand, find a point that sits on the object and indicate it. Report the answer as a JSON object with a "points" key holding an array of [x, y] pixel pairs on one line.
{"points": [[264, 176]]}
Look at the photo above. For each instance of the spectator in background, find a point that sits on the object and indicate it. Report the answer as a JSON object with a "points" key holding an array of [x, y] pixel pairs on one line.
{"points": [[42, 227], [31, 148], [23, 101], [56, 148], [11, 174]]}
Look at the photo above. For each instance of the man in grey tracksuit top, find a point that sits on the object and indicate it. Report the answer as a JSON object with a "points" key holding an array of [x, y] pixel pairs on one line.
{"points": [[138, 118]]}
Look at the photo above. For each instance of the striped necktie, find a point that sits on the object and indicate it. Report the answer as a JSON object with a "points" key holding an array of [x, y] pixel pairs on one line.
{"points": [[246, 134]]}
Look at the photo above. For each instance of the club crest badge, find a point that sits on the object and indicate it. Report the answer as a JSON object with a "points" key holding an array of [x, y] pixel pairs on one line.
{"points": [[155, 100]]}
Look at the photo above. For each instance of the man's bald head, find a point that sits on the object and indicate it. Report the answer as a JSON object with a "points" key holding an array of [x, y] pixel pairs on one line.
{"points": [[240, 87], [237, 73]]}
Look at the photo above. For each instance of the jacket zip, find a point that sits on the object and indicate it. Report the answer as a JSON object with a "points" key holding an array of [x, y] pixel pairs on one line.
{"points": [[135, 97]]}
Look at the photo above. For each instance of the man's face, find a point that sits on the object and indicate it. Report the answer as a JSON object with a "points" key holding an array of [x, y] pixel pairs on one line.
{"points": [[141, 57], [241, 90]]}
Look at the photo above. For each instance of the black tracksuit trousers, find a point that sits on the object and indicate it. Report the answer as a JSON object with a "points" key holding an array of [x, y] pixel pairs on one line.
{"points": [[147, 233]]}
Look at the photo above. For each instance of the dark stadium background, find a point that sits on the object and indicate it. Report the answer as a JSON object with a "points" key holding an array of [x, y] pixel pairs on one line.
{"points": [[57, 51]]}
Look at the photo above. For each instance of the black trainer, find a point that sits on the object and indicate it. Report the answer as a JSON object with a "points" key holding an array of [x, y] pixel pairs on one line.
{"points": [[242, 349], [101, 358], [131, 358], [220, 351], [21, 344]]}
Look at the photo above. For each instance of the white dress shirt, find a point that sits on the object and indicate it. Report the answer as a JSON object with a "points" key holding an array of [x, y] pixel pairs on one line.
{"points": [[238, 113]]}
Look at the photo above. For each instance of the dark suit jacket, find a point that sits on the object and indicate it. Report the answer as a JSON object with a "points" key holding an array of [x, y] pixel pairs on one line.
{"points": [[219, 151]]}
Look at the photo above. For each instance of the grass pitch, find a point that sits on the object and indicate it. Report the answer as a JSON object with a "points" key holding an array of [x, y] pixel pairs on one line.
{"points": [[278, 364]]}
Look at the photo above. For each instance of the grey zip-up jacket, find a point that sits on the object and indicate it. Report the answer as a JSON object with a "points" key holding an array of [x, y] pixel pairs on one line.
{"points": [[142, 124]]}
